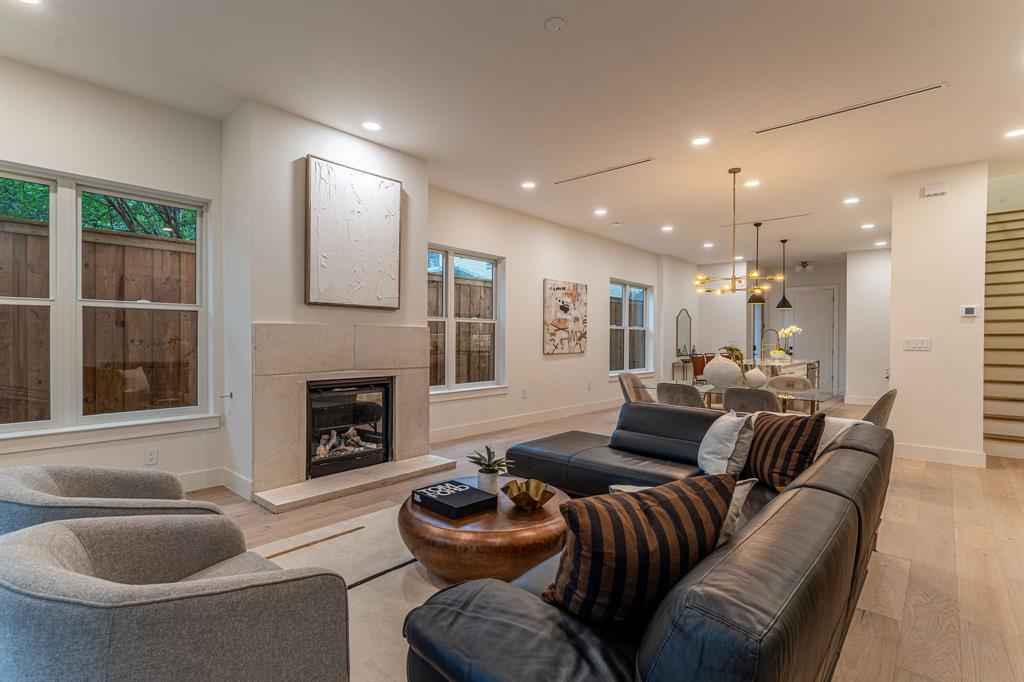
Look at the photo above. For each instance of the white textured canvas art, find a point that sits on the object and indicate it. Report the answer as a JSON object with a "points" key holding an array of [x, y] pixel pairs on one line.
{"points": [[353, 224], [565, 317]]}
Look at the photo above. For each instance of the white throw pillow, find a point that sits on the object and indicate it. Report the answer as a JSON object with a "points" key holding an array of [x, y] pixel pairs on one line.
{"points": [[734, 520], [726, 445]]}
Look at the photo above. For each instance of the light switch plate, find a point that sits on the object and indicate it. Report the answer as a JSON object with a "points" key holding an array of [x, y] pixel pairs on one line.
{"points": [[917, 344]]}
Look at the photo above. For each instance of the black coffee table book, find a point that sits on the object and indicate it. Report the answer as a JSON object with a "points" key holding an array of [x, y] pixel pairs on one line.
{"points": [[454, 499]]}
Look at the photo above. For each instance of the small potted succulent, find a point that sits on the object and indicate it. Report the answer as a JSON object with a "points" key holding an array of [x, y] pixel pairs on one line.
{"points": [[489, 467]]}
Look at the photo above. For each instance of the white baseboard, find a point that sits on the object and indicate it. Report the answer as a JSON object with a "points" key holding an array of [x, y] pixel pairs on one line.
{"points": [[860, 399], [208, 478], [486, 426], [967, 458]]}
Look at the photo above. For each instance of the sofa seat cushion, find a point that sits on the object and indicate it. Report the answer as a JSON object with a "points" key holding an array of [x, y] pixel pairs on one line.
{"points": [[491, 630], [241, 564], [591, 472], [547, 458]]}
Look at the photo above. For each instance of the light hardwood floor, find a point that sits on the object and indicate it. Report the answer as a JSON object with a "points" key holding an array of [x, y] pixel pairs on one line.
{"points": [[944, 598]]}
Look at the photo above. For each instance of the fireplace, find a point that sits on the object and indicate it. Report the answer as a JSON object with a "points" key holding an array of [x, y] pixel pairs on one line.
{"points": [[349, 424]]}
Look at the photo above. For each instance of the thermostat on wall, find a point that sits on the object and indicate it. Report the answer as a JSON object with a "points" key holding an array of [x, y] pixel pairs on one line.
{"points": [[968, 311]]}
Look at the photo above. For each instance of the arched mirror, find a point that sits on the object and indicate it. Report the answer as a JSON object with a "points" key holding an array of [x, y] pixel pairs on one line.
{"points": [[684, 331]]}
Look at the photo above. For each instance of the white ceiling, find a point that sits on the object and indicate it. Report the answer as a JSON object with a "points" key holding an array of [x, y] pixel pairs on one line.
{"points": [[490, 98]]}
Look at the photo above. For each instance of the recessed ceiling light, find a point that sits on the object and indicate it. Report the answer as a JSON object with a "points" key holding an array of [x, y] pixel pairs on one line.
{"points": [[600, 211], [851, 200], [867, 226], [752, 183], [700, 141], [666, 228], [739, 257], [372, 125], [1015, 133], [616, 224], [708, 245], [529, 184], [881, 243]]}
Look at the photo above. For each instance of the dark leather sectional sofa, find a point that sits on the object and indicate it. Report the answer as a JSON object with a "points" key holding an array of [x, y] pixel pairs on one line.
{"points": [[773, 603]]}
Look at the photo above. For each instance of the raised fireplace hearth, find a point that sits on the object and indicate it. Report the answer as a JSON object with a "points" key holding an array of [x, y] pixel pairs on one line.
{"points": [[349, 424]]}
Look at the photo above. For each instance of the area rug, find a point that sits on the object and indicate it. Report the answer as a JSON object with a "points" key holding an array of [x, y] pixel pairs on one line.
{"points": [[385, 583]]}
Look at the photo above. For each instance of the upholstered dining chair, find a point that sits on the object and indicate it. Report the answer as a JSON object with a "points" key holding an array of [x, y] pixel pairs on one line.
{"points": [[163, 598], [633, 390], [750, 400], [683, 395], [880, 411], [790, 382], [31, 495]]}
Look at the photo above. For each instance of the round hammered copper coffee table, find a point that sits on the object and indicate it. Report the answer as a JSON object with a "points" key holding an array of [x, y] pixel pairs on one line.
{"points": [[503, 543]]}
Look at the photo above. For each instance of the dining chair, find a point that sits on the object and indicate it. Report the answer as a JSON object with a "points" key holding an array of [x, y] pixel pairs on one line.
{"points": [[750, 400], [683, 395], [633, 390], [880, 411]]}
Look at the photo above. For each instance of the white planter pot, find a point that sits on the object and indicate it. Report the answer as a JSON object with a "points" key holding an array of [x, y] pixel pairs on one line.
{"points": [[755, 378], [488, 482], [722, 373]]}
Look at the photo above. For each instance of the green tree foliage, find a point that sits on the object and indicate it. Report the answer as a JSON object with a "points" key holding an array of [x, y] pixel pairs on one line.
{"points": [[24, 200], [104, 212]]}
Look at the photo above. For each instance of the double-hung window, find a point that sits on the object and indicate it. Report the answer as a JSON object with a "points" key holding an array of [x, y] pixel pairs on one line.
{"points": [[630, 334], [101, 304], [464, 311]]}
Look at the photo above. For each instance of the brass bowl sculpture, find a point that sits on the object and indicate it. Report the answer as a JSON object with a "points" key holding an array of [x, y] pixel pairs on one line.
{"points": [[529, 495]]}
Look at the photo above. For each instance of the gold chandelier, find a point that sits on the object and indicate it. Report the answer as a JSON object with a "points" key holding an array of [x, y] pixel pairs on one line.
{"points": [[754, 282]]}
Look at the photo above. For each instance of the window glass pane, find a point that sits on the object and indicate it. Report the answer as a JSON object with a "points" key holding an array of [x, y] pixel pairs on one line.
{"points": [[474, 352], [617, 352], [615, 293], [474, 288], [139, 359], [137, 250], [435, 284], [636, 306], [637, 349], [436, 353], [24, 238], [24, 363]]}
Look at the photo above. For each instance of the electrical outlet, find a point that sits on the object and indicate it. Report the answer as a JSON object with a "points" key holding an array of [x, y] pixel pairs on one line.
{"points": [[152, 456], [524, 394]]}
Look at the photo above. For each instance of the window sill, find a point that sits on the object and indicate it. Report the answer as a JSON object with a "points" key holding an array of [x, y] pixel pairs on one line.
{"points": [[83, 434], [444, 395], [642, 373]]}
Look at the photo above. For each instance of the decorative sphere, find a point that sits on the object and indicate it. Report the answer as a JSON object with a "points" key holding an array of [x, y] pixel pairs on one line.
{"points": [[755, 378]]}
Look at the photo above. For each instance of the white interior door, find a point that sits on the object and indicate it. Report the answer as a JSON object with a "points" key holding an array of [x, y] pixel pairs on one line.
{"points": [[814, 312]]}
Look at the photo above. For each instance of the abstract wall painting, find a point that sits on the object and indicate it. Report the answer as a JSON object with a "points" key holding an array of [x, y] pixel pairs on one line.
{"points": [[353, 243], [565, 317]]}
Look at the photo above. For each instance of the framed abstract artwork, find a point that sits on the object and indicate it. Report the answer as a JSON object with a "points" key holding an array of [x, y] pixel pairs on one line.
{"points": [[565, 317], [353, 236]]}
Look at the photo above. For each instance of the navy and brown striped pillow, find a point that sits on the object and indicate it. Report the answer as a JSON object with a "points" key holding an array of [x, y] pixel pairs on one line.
{"points": [[625, 551], [783, 446]]}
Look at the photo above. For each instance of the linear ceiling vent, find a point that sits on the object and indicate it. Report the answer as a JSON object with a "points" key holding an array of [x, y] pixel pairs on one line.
{"points": [[604, 170], [768, 220], [853, 107]]}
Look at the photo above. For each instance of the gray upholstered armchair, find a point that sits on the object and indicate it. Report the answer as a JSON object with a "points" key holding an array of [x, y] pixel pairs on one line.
{"points": [[36, 494], [163, 598]]}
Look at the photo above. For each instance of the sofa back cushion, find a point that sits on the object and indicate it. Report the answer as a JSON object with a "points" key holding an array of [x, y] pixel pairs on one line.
{"points": [[663, 431], [625, 551]]}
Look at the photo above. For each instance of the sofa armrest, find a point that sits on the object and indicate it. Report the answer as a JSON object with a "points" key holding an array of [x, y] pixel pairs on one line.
{"points": [[107, 482], [489, 630]]}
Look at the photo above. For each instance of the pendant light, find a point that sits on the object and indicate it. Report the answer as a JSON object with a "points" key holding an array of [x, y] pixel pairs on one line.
{"points": [[756, 291], [784, 303]]}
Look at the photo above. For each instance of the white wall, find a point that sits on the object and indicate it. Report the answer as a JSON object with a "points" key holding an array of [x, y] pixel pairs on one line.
{"points": [[1006, 193], [555, 385], [938, 264], [723, 317], [56, 123], [868, 293], [675, 291]]}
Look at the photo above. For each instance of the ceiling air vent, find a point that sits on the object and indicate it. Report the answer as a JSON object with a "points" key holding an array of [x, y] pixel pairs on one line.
{"points": [[853, 107], [621, 166]]}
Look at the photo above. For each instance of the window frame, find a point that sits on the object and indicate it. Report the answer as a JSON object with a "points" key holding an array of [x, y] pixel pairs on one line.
{"points": [[66, 304], [451, 321], [648, 328]]}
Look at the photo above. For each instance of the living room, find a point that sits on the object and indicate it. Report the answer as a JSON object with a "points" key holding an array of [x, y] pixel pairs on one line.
{"points": [[754, 266]]}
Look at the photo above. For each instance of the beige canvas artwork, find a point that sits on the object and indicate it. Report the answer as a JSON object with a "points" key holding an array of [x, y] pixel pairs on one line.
{"points": [[565, 317]]}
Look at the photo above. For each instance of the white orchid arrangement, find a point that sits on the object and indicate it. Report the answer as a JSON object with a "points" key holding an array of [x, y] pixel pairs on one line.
{"points": [[791, 330]]}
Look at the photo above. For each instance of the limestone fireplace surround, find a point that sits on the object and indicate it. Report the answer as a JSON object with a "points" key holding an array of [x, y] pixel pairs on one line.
{"points": [[287, 355]]}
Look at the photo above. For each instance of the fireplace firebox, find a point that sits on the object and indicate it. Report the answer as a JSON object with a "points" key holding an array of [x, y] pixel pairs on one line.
{"points": [[349, 424]]}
